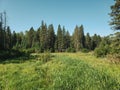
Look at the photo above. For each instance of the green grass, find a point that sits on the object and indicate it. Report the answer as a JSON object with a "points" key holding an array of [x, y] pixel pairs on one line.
{"points": [[63, 71]]}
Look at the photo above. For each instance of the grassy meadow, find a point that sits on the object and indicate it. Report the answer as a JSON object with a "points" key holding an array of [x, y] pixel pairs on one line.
{"points": [[60, 71]]}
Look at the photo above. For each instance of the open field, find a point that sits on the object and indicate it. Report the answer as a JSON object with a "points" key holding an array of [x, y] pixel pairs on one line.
{"points": [[63, 71]]}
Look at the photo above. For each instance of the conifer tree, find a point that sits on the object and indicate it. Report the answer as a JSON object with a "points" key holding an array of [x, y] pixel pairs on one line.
{"points": [[1, 32], [59, 39], [67, 40], [76, 38], [43, 37], [81, 37], [8, 38], [30, 37], [88, 42], [14, 38], [115, 15], [51, 38]]}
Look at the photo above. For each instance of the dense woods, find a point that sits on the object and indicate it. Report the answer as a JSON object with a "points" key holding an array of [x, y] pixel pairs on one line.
{"points": [[45, 39]]}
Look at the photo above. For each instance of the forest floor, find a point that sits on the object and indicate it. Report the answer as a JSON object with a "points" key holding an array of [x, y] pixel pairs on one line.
{"points": [[60, 71]]}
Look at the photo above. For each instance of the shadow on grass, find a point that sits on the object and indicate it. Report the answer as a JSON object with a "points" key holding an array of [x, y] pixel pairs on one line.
{"points": [[44, 57], [13, 56]]}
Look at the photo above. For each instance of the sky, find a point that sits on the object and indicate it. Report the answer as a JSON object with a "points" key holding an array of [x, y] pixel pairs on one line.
{"points": [[92, 14]]}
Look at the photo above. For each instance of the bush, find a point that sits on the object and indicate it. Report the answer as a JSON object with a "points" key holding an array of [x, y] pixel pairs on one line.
{"points": [[30, 50], [84, 50], [114, 58], [10, 54], [101, 51], [45, 57], [70, 49]]}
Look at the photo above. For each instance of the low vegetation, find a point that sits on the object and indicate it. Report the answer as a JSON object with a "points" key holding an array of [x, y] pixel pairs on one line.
{"points": [[61, 71]]}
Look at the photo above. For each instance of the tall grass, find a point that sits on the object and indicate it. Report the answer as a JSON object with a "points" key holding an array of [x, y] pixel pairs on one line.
{"points": [[61, 72]]}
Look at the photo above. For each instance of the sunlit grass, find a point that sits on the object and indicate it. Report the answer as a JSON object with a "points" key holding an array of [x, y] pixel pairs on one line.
{"points": [[64, 71]]}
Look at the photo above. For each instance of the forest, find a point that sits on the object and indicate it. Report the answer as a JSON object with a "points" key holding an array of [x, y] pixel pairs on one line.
{"points": [[44, 39], [42, 59]]}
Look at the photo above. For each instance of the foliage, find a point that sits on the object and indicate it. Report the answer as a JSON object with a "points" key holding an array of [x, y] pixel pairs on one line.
{"points": [[110, 46], [104, 48], [11, 54], [115, 15], [44, 38], [70, 49], [84, 50], [44, 57]]}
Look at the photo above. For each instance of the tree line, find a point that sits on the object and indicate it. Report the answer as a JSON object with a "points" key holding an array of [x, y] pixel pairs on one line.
{"points": [[45, 39]]}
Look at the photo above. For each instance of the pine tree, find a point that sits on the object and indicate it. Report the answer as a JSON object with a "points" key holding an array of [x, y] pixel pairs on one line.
{"points": [[76, 38], [81, 37], [59, 39], [51, 38], [23, 41], [67, 40], [14, 38], [88, 42], [115, 15], [96, 39], [43, 37], [1, 33], [63, 46], [30, 36], [8, 38], [3, 30]]}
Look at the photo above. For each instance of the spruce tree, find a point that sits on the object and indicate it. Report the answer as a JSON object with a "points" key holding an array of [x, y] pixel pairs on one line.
{"points": [[1, 35], [8, 38], [67, 40], [63, 46], [115, 15], [81, 37], [51, 38], [30, 36], [43, 37], [88, 42], [76, 38], [14, 38], [59, 39]]}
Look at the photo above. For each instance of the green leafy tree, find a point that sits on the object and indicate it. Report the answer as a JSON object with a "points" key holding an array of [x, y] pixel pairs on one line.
{"points": [[115, 43], [104, 48]]}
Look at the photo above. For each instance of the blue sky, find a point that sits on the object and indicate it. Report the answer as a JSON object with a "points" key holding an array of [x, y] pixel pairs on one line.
{"points": [[92, 14]]}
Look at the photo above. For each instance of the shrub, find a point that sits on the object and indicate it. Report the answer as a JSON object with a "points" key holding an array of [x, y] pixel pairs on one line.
{"points": [[44, 57], [84, 50], [101, 51], [70, 49], [114, 58], [10, 54]]}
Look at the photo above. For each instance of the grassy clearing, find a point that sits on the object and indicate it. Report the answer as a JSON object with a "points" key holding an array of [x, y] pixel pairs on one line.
{"points": [[64, 71]]}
